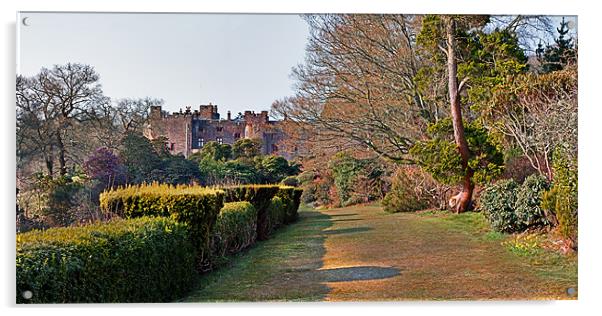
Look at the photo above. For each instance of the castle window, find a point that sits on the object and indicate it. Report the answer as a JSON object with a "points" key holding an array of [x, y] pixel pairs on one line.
{"points": [[220, 140], [201, 142], [236, 135], [172, 146], [219, 128]]}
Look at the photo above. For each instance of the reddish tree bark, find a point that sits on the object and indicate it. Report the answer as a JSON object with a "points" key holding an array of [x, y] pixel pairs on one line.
{"points": [[463, 199]]}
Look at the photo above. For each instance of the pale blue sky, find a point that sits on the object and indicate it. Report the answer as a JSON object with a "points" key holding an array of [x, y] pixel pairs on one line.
{"points": [[237, 61]]}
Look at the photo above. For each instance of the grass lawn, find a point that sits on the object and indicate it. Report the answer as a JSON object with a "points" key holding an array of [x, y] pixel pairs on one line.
{"points": [[361, 253]]}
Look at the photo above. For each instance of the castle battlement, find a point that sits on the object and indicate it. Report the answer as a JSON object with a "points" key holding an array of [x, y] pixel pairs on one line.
{"points": [[187, 131]]}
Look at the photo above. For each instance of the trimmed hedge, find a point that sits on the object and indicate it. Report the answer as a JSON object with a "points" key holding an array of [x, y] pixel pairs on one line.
{"points": [[258, 195], [234, 230], [291, 198], [276, 213], [137, 260], [195, 206], [151, 256]]}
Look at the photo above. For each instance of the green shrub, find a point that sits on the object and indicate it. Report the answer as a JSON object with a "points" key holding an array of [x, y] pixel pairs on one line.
{"points": [[561, 200], [309, 193], [195, 206], [234, 230], [497, 201], [276, 213], [137, 260], [291, 181], [258, 195], [291, 198], [528, 201]]}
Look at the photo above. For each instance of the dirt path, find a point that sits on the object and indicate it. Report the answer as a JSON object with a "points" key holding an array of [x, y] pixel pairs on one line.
{"points": [[362, 253]]}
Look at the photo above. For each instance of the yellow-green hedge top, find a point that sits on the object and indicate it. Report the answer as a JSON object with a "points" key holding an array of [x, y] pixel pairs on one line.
{"points": [[162, 189], [86, 234]]}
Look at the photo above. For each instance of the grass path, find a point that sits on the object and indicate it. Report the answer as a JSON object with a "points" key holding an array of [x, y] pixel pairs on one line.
{"points": [[362, 253]]}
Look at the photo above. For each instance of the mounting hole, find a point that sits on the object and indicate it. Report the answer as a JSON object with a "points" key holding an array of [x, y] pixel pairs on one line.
{"points": [[571, 291], [27, 295]]}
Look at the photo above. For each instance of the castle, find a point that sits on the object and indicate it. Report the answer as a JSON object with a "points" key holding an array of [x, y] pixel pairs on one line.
{"points": [[188, 131]]}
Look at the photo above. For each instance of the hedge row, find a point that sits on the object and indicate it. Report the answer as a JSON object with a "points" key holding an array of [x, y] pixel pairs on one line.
{"points": [[151, 256], [194, 206], [258, 195], [200, 207], [235, 230], [137, 260], [276, 213]]}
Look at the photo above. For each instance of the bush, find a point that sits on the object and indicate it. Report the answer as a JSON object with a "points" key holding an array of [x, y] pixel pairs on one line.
{"points": [[291, 198], [403, 197], [138, 260], [273, 169], [518, 168], [54, 200], [290, 181], [310, 188], [234, 230], [413, 189], [497, 201], [357, 180], [276, 213], [528, 201], [195, 206], [561, 200], [258, 195]]}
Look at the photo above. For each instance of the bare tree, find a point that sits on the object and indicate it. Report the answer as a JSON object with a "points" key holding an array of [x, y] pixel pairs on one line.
{"points": [[538, 113], [35, 117], [529, 29], [52, 104], [357, 88], [132, 114]]}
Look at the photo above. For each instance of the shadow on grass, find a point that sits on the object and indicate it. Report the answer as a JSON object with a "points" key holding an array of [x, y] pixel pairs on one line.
{"points": [[347, 220], [358, 273], [347, 214], [352, 230], [282, 268]]}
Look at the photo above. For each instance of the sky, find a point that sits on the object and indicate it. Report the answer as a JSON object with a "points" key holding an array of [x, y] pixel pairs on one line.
{"points": [[237, 61]]}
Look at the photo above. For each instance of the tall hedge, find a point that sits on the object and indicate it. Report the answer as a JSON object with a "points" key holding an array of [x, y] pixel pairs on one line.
{"points": [[276, 213], [137, 260], [291, 198], [234, 230], [194, 206], [258, 195]]}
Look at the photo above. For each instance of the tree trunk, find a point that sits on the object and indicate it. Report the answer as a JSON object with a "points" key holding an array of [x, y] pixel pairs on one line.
{"points": [[463, 198], [62, 161], [48, 159]]}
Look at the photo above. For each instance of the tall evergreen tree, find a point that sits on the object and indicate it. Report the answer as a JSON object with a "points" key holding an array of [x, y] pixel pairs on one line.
{"points": [[561, 53]]}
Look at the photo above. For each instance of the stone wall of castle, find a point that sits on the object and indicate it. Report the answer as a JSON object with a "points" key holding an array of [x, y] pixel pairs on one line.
{"points": [[188, 131]]}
